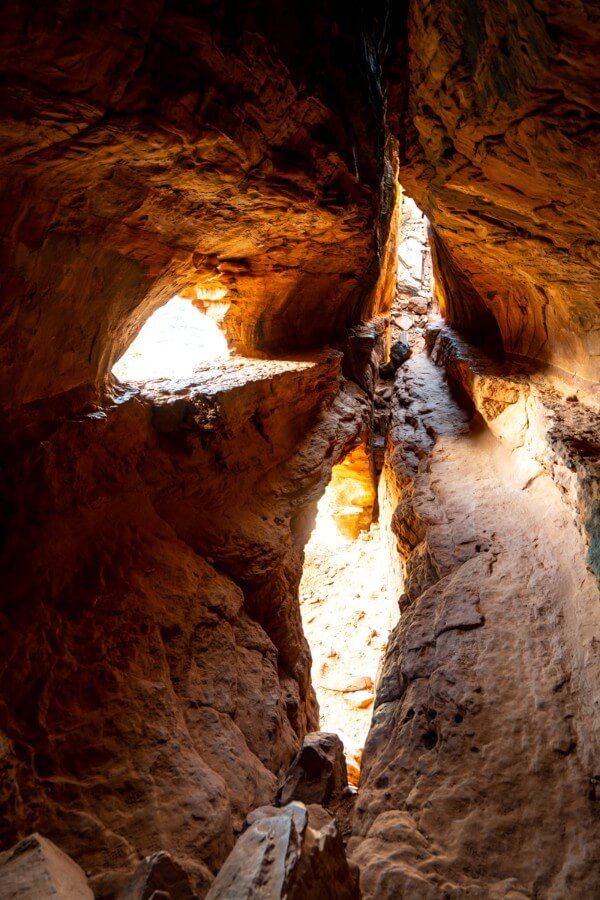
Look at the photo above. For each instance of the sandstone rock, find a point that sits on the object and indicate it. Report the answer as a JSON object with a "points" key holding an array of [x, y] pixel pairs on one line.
{"points": [[36, 869], [533, 414], [495, 148], [163, 669], [365, 347], [317, 773], [266, 192], [351, 493], [360, 699], [152, 539], [295, 810], [349, 685], [158, 875], [264, 858], [399, 352], [287, 854], [460, 750]]}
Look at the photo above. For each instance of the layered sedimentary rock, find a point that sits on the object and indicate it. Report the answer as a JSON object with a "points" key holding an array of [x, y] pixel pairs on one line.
{"points": [[494, 106], [550, 425], [155, 678], [151, 148]]}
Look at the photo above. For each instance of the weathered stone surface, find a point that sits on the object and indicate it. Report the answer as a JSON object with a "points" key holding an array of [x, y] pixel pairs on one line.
{"points": [[151, 149], [350, 496], [413, 304], [498, 147], [158, 875], [264, 857], [399, 353], [346, 612], [485, 730], [155, 678], [318, 773], [550, 425], [287, 853], [36, 869]]}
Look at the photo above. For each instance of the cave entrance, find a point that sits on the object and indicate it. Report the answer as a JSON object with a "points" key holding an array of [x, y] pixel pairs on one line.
{"points": [[347, 610], [176, 339]]}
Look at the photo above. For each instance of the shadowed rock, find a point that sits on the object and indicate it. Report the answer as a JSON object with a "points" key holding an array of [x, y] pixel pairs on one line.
{"points": [[399, 353], [35, 869], [158, 876], [318, 772]]}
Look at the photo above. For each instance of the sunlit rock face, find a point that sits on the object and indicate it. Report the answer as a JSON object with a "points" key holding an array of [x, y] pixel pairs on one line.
{"points": [[346, 609], [497, 146], [414, 303], [155, 677], [484, 738], [151, 148], [350, 496], [155, 674]]}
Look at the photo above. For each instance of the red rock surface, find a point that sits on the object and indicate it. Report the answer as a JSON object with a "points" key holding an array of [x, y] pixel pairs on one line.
{"points": [[498, 147], [148, 148], [484, 740], [155, 678]]}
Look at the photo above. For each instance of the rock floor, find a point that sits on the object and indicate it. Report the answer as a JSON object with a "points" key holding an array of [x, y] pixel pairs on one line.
{"points": [[477, 769]]}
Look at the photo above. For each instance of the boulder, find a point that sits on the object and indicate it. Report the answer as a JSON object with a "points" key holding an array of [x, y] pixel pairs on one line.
{"points": [[318, 771], [36, 869], [289, 853], [158, 875], [399, 353]]}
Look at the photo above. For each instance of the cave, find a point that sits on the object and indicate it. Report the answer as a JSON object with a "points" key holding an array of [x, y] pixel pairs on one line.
{"points": [[300, 456]]}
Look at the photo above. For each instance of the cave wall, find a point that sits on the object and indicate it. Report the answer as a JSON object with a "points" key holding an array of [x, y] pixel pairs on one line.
{"points": [[495, 107], [479, 771], [149, 148], [150, 582], [152, 542]]}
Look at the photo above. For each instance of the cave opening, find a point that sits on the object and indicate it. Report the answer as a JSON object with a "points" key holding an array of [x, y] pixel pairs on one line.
{"points": [[300, 479], [174, 341], [347, 609]]}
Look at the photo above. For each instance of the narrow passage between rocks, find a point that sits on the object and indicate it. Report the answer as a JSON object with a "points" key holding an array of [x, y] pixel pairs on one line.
{"points": [[347, 610]]}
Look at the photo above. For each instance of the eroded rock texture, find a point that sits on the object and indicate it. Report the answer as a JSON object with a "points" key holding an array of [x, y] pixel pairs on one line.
{"points": [[151, 147], [495, 107], [155, 678], [294, 852], [414, 304], [484, 741], [154, 674], [36, 868]]}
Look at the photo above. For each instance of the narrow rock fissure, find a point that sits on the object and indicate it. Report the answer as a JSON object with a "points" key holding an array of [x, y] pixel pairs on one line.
{"points": [[352, 576], [347, 610], [299, 475]]}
